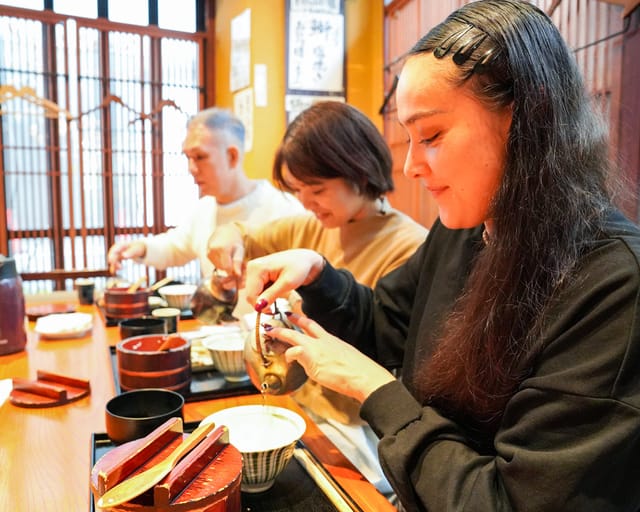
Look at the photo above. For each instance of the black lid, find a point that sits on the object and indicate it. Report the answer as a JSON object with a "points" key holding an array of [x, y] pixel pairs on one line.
{"points": [[7, 267]]}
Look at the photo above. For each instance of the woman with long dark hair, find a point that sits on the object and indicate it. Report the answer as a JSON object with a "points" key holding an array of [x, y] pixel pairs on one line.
{"points": [[516, 322]]}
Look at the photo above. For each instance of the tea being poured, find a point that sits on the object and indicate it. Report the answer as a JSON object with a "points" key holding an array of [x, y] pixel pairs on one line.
{"points": [[266, 364]]}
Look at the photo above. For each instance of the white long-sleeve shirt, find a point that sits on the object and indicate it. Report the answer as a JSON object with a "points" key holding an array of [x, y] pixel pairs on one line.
{"points": [[187, 241]]}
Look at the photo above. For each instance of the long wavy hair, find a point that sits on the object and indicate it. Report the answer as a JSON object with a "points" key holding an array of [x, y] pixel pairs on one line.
{"points": [[549, 206]]}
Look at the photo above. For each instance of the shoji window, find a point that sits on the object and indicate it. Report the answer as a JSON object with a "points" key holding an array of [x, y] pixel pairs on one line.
{"points": [[93, 115]]}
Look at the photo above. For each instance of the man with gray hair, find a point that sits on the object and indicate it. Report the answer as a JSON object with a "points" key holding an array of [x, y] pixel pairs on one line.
{"points": [[214, 146]]}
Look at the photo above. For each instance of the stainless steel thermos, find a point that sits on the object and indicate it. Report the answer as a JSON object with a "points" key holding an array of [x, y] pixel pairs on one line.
{"points": [[13, 336]]}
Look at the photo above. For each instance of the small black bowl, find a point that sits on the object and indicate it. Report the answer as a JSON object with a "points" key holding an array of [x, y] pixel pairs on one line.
{"points": [[136, 413], [144, 325]]}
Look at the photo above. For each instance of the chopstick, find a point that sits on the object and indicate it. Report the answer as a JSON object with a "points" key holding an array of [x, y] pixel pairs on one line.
{"points": [[136, 285], [321, 480], [161, 283]]}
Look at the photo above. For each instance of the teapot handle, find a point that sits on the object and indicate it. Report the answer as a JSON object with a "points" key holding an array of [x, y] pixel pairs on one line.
{"points": [[265, 361]]}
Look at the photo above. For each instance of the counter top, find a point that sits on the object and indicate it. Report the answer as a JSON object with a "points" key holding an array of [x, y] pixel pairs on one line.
{"points": [[45, 453]]}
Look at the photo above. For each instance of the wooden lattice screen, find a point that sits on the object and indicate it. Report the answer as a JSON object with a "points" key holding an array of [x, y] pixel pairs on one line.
{"points": [[93, 115]]}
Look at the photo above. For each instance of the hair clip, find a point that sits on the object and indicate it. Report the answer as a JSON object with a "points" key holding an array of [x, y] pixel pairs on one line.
{"points": [[441, 50], [483, 62], [466, 50]]}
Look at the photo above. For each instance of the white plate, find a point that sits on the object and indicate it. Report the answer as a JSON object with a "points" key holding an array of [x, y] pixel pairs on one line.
{"points": [[64, 325]]}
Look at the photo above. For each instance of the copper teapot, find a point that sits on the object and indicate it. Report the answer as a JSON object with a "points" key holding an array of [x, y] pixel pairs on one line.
{"points": [[265, 360]]}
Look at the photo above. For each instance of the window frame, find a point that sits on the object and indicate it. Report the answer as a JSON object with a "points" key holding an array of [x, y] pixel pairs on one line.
{"points": [[58, 278]]}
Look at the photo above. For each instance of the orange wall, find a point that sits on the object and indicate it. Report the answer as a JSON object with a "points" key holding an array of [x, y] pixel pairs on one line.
{"points": [[364, 61]]}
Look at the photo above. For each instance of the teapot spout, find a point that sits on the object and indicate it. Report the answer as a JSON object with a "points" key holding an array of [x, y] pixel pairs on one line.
{"points": [[271, 384]]}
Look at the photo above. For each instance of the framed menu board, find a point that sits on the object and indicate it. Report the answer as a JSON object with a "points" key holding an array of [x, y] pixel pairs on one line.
{"points": [[315, 52]]}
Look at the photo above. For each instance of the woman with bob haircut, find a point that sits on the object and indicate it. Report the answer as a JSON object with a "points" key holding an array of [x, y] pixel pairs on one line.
{"points": [[336, 162], [516, 323]]}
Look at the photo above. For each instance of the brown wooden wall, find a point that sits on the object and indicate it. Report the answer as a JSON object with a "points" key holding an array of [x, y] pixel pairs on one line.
{"points": [[607, 49]]}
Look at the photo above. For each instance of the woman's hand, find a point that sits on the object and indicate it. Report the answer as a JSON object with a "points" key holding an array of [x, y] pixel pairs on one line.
{"points": [[225, 249], [277, 274], [330, 361]]}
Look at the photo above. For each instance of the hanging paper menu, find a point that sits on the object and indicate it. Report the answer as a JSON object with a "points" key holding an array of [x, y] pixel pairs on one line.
{"points": [[315, 46]]}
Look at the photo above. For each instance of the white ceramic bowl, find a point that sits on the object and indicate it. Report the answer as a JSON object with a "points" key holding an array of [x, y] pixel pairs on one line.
{"points": [[227, 354], [266, 436], [178, 295]]}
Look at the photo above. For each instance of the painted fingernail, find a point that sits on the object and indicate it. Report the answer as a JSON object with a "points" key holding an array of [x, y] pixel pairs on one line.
{"points": [[288, 313], [267, 327], [260, 305]]}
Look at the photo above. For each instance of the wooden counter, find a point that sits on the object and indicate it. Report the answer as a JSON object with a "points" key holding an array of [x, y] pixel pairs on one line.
{"points": [[45, 454]]}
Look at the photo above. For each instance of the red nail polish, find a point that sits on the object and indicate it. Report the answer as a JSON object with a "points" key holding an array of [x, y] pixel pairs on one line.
{"points": [[288, 313], [260, 305]]}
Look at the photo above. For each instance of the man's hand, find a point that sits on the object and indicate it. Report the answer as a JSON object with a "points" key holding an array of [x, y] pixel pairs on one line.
{"points": [[123, 251], [225, 249]]}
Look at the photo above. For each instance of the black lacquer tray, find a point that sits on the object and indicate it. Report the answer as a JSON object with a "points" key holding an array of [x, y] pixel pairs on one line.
{"points": [[205, 385], [293, 490]]}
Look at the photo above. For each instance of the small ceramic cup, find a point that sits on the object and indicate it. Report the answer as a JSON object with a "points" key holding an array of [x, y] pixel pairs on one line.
{"points": [[227, 353], [171, 317], [85, 288], [178, 295]]}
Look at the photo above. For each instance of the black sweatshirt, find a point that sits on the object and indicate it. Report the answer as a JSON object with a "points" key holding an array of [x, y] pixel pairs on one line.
{"points": [[569, 439]]}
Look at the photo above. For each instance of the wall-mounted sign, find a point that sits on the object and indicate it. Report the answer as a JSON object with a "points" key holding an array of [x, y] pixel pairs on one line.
{"points": [[240, 59], [315, 51], [296, 103], [243, 109]]}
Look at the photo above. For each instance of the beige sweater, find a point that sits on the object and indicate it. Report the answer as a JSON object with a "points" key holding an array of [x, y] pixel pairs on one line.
{"points": [[368, 248]]}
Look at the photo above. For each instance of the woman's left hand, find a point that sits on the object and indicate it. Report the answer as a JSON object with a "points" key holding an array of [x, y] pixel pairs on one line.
{"points": [[330, 361]]}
